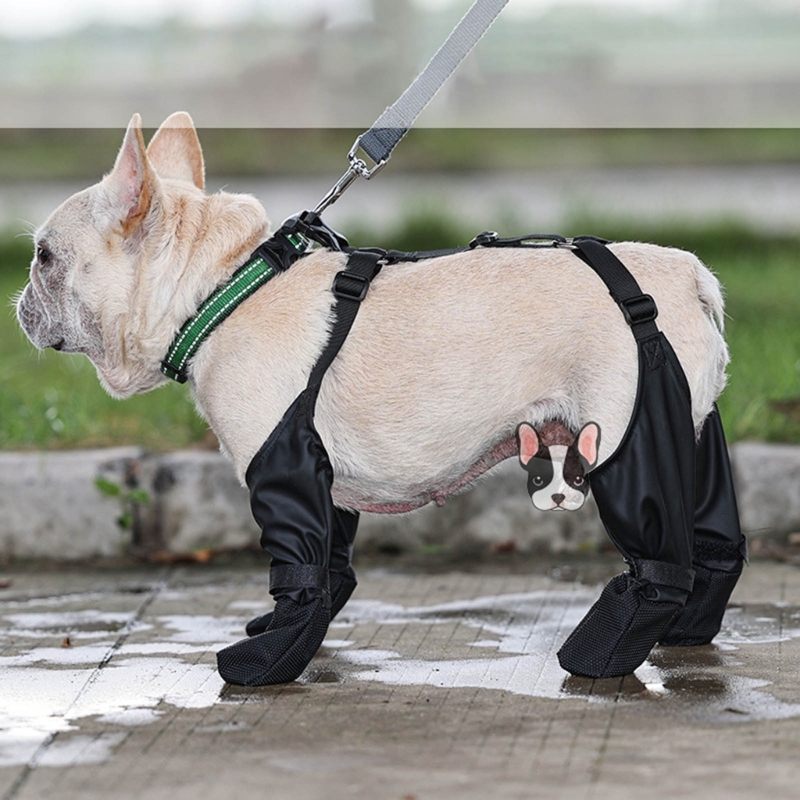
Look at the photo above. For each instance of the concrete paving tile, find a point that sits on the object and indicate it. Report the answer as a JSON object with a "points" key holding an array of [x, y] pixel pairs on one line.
{"points": [[429, 686]]}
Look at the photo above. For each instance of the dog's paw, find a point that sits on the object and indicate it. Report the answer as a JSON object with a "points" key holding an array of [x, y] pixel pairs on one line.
{"points": [[283, 651]]}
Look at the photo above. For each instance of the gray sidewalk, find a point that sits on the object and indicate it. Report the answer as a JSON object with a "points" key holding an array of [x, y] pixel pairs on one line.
{"points": [[429, 686]]}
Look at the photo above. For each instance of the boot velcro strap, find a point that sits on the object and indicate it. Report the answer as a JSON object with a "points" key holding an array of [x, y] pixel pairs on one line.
{"points": [[664, 574], [298, 576], [725, 556]]}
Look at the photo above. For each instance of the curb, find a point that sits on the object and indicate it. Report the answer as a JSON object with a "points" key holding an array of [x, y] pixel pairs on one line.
{"points": [[51, 507]]}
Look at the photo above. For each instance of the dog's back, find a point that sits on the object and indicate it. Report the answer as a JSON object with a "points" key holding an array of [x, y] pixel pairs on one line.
{"points": [[448, 355]]}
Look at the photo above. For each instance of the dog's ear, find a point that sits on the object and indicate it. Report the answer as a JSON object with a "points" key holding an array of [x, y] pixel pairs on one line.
{"points": [[130, 185], [528, 442], [175, 152], [589, 443]]}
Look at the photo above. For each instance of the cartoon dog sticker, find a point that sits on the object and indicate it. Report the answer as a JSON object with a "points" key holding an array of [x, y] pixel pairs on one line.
{"points": [[557, 461]]}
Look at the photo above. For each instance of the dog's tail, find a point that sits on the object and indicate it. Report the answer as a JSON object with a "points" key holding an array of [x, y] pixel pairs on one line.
{"points": [[710, 295]]}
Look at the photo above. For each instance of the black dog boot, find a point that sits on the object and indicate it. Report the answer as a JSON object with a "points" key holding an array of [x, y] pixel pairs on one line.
{"points": [[342, 576], [621, 628], [296, 631], [717, 566], [720, 549]]}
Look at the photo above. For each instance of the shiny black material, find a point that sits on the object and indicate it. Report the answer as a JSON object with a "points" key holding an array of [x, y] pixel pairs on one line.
{"points": [[645, 493], [720, 549], [716, 517], [342, 576], [290, 481]]}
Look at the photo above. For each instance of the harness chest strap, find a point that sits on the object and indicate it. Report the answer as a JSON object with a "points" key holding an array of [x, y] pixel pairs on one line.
{"points": [[271, 258]]}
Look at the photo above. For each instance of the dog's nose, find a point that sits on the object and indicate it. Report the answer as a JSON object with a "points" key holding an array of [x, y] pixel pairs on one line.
{"points": [[558, 499]]}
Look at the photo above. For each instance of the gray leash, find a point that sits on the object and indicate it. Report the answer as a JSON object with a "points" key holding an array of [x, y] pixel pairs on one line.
{"points": [[391, 126]]}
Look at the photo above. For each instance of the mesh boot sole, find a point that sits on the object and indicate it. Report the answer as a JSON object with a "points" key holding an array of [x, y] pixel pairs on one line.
{"points": [[618, 632], [283, 651]]}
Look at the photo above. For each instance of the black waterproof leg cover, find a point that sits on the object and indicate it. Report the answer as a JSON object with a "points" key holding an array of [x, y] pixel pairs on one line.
{"points": [[645, 496], [719, 546], [342, 576], [289, 481]]}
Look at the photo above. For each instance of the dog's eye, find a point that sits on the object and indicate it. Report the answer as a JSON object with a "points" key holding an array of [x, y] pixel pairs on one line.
{"points": [[538, 480], [578, 480], [43, 255]]}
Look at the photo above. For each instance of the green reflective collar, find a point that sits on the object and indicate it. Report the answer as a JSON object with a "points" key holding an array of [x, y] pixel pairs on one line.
{"points": [[243, 283], [254, 274], [290, 242]]}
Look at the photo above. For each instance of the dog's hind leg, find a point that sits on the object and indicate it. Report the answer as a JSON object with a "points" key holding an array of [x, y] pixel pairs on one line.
{"points": [[720, 549], [645, 496], [342, 576]]}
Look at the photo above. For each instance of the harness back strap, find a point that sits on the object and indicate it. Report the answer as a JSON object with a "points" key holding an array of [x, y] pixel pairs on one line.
{"points": [[639, 309]]}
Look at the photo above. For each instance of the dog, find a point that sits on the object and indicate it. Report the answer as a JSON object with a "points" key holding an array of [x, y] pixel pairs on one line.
{"points": [[446, 358], [444, 361], [557, 462]]}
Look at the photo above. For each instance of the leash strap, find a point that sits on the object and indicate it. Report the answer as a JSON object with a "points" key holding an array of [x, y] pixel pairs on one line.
{"points": [[391, 126]]}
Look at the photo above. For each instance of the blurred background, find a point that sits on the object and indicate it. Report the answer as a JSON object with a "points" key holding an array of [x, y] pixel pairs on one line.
{"points": [[661, 120], [338, 63]]}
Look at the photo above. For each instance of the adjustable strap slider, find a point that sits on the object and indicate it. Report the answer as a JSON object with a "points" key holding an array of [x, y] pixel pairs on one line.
{"points": [[350, 286], [484, 239], [639, 309]]}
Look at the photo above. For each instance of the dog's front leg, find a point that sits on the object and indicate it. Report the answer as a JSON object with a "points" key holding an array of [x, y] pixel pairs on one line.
{"points": [[289, 481], [342, 575]]}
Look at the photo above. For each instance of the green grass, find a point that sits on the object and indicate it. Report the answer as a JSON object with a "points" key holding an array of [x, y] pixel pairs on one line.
{"points": [[55, 401]]}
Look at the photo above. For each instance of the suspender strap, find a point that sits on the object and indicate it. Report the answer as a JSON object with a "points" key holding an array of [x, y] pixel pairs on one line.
{"points": [[638, 308], [350, 287]]}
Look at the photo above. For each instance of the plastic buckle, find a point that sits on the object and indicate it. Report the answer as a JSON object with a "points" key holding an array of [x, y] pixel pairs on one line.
{"points": [[342, 290], [173, 373], [639, 309]]}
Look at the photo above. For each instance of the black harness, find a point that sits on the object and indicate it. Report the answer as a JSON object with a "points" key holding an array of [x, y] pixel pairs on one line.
{"points": [[680, 536]]}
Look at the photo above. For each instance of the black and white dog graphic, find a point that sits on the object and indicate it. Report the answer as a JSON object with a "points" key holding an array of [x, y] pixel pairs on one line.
{"points": [[557, 461]]}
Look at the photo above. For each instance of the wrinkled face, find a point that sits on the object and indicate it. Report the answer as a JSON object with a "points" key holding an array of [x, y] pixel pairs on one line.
{"points": [[99, 256], [58, 308]]}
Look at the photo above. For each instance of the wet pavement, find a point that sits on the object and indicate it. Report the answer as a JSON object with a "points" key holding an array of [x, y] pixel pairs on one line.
{"points": [[428, 686]]}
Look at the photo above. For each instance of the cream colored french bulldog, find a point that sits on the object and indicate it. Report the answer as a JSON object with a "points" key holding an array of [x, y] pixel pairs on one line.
{"points": [[444, 361]]}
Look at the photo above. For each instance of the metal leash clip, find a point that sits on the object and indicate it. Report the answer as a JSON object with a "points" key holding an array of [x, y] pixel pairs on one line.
{"points": [[358, 169]]}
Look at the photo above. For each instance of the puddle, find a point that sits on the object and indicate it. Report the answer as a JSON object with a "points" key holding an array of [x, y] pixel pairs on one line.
{"points": [[506, 642], [525, 632], [48, 690]]}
